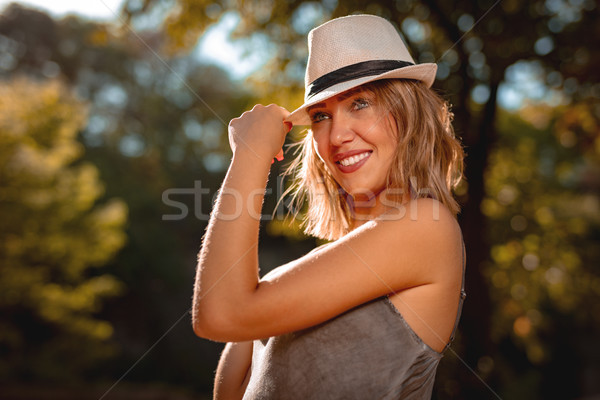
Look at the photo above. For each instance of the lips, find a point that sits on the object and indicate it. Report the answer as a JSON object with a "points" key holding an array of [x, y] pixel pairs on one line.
{"points": [[352, 160], [346, 162], [340, 156]]}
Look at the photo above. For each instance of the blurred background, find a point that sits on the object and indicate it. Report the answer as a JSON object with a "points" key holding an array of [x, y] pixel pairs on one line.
{"points": [[113, 143]]}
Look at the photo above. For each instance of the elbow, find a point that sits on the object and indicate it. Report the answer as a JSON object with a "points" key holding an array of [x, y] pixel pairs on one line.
{"points": [[207, 326], [199, 327], [218, 326], [226, 318]]}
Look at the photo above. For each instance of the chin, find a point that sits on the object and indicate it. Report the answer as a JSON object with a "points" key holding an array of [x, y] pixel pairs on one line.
{"points": [[364, 194]]}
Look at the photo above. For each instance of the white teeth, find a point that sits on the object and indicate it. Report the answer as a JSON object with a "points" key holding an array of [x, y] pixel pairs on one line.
{"points": [[353, 159]]}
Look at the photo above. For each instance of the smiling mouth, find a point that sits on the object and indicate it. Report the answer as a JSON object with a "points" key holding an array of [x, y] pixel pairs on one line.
{"points": [[349, 161]]}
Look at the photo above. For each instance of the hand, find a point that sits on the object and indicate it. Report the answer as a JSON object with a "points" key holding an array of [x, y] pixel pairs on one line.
{"points": [[260, 131]]}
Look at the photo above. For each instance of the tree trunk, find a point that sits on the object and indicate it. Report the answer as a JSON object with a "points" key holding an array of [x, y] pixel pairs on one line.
{"points": [[476, 322]]}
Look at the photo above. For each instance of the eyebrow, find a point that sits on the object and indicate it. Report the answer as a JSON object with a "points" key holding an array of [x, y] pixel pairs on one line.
{"points": [[340, 97], [348, 93]]}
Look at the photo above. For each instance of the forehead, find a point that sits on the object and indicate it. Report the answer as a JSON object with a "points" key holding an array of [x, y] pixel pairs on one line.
{"points": [[340, 97]]}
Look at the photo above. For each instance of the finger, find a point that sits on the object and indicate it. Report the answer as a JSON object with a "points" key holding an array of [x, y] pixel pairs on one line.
{"points": [[287, 121], [279, 155]]}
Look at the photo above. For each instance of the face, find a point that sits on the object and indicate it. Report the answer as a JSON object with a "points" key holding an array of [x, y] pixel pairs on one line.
{"points": [[356, 139]]}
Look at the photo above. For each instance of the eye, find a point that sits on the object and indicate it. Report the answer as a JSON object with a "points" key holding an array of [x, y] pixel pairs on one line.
{"points": [[318, 117], [360, 103]]}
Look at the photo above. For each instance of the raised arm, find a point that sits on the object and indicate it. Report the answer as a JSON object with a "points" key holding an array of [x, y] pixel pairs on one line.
{"points": [[227, 271]]}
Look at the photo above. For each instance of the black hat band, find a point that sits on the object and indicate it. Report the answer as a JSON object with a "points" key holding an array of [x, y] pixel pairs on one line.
{"points": [[354, 71]]}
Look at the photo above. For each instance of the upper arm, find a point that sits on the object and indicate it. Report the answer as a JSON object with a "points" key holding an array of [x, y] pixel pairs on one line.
{"points": [[378, 258]]}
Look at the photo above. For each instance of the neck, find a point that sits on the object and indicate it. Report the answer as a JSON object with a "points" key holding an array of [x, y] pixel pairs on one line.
{"points": [[366, 208]]}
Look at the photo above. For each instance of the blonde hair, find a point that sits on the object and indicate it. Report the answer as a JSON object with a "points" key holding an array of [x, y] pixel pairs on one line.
{"points": [[428, 156]]}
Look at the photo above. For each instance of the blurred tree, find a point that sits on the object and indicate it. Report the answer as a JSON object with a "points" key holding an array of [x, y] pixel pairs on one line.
{"points": [[542, 202], [157, 121], [478, 46], [156, 126], [53, 236]]}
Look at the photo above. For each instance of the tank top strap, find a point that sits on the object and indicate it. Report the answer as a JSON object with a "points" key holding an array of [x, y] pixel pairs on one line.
{"points": [[463, 294]]}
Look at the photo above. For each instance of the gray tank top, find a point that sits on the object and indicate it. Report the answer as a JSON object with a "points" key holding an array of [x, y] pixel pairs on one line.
{"points": [[369, 352]]}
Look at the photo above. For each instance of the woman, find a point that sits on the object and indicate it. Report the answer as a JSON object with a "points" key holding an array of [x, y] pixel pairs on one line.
{"points": [[368, 315]]}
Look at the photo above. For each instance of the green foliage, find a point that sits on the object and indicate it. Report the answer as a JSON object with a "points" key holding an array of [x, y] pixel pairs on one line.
{"points": [[544, 214], [472, 42], [52, 234], [155, 123]]}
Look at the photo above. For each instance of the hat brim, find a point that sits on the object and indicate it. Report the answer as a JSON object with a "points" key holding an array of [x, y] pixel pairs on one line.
{"points": [[421, 72]]}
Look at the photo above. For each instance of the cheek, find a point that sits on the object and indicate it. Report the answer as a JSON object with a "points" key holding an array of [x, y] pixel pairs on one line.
{"points": [[392, 135], [320, 147]]}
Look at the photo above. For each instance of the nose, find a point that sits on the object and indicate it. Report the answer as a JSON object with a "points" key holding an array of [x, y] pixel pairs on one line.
{"points": [[340, 130]]}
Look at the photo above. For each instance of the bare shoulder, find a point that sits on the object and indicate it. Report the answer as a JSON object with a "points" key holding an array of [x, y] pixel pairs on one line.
{"points": [[433, 216], [423, 217], [431, 232], [430, 309]]}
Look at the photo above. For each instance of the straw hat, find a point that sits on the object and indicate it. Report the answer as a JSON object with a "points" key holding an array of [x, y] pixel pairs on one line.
{"points": [[350, 51]]}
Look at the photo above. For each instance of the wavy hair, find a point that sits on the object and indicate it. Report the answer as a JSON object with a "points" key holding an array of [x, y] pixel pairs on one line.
{"points": [[428, 160]]}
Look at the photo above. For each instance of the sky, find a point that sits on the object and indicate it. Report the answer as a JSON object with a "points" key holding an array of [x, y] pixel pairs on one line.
{"points": [[215, 46], [93, 9]]}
